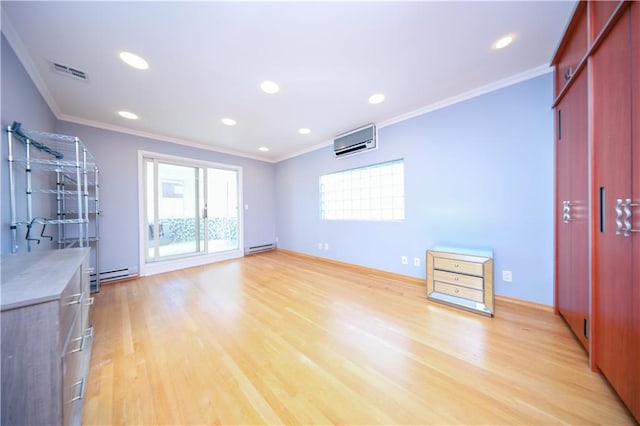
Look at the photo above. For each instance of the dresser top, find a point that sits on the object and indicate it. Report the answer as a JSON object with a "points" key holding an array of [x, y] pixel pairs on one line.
{"points": [[468, 252], [37, 277]]}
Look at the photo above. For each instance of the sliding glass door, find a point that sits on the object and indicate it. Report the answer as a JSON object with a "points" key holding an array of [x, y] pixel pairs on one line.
{"points": [[190, 209], [221, 221]]}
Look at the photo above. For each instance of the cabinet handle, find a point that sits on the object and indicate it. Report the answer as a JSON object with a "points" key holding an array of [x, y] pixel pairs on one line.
{"points": [[559, 124], [77, 297], [570, 73], [82, 384], [83, 340], [80, 348], [566, 211], [623, 224], [456, 291]]}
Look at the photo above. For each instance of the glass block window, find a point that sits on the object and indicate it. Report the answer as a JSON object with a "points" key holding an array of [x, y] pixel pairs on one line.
{"points": [[373, 192]]}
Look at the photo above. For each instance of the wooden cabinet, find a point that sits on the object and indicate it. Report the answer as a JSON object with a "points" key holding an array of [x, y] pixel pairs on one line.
{"points": [[46, 336], [461, 278], [572, 219], [615, 133], [611, 128], [634, 403], [614, 286], [572, 50], [599, 14]]}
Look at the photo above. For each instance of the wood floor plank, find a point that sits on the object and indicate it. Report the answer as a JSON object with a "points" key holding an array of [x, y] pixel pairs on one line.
{"points": [[277, 338]]}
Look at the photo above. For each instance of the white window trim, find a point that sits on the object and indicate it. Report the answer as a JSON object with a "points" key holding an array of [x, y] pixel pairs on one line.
{"points": [[174, 264]]}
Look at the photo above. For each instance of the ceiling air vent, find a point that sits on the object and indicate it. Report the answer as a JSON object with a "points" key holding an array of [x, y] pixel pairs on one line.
{"points": [[69, 72]]}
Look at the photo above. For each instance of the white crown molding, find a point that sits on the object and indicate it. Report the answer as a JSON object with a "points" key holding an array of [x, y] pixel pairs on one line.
{"points": [[304, 151], [21, 52], [148, 135], [491, 87], [488, 88]]}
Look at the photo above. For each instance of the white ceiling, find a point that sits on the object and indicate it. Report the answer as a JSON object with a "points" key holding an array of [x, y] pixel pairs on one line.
{"points": [[207, 60]]}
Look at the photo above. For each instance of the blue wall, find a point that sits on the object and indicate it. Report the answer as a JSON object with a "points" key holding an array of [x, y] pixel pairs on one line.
{"points": [[117, 157], [478, 174], [22, 102]]}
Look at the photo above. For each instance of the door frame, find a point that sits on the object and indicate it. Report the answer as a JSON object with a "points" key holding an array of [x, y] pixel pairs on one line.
{"points": [[182, 262]]}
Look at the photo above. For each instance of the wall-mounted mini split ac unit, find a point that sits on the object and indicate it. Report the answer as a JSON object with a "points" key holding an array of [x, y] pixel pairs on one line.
{"points": [[359, 140]]}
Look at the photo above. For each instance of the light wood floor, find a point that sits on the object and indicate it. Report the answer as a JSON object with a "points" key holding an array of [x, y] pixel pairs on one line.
{"points": [[277, 338]]}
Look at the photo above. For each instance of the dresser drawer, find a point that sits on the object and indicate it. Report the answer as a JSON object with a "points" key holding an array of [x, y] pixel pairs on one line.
{"points": [[72, 359], [458, 279], [459, 291], [70, 301], [460, 266]]}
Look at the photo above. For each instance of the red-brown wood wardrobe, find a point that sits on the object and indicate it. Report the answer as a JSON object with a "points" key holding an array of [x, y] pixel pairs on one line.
{"points": [[597, 105]]}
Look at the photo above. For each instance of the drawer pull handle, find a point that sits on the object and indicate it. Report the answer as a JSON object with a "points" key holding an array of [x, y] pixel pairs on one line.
{"points": [[456, 290], [82, 384], [77, 297], [456, 279], [456, 265], [83, 340], [80, 348]]}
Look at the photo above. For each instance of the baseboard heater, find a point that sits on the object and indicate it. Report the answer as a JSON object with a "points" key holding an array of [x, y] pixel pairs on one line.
{"points": [[260, 248], [116, 274]]}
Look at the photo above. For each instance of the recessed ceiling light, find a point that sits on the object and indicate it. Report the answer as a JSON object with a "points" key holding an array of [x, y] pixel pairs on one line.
{"points": [[228, 121], [376, 99], [304, 131], [263, 149], [269, 87], [503, 42], [128, 115], [134, 60]]}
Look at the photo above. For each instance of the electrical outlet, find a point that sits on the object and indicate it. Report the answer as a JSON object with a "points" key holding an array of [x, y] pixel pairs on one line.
{"points": [[326, 246], [416, 261], [405, 260], [319, 246], [507, 276]]}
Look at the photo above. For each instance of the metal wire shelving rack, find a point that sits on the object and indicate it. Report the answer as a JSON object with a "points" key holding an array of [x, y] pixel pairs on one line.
{"points": [[76, 189]]}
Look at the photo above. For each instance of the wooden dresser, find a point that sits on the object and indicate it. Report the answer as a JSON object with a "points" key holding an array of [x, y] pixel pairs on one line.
{"points": [[46, 336], [461, 278]]}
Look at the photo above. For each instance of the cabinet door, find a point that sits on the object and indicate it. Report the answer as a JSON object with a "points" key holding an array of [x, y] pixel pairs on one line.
{"points": [[634, 405], [572, 49], [600, 12], [614, 291], [572, 219]]}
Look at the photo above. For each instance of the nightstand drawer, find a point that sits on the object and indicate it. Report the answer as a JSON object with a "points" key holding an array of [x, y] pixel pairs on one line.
{"points": [[460, 266], [459, 291], [458, 279]]}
